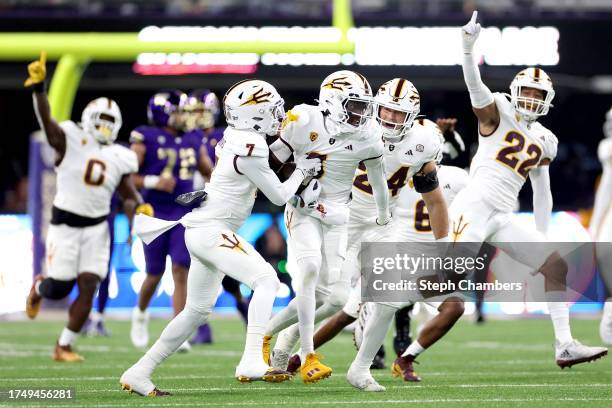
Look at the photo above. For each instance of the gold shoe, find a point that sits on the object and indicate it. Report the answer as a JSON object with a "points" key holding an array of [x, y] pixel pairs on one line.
{"points": [[313, 370], [34, 300], [66, 355], [265, 349]]}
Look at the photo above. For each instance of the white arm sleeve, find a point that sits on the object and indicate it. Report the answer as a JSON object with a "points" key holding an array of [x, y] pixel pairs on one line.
{"points": [[542, 197], [281, 149], [603, 198], [378, 181], [259, 172], [480, 95]]}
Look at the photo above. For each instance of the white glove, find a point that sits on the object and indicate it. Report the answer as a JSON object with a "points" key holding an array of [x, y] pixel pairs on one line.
{"points": [[311, 193], [309, 167], [383, 220], [469, 33]]}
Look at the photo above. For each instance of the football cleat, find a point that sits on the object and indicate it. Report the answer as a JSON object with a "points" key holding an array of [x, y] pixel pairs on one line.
{"points": [[313, 370], [403, 367], [294, 364], [574, 352], [265, 349], [605, 326], [34, 300], [139, 333], [279, 359], [191, 198], [363, 380], [65, 354], [133, 382], [262, 373], [184, 348]]}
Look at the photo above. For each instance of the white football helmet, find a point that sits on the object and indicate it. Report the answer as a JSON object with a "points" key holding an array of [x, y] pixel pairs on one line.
{"points": [[531, 108], [401, 96], [607, 127], [346, 96], [102, 119], [254, 105]]}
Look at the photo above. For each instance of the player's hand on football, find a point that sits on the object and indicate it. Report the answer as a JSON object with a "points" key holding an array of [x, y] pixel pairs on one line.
{"points": [[446, 124], [470, 32], [310, 195], [308, 166], [37, 71], [166, 183]]}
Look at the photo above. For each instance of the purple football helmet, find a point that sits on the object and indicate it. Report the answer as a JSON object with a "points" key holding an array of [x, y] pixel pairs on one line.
{"points": [[201, 109], [163, 108]]}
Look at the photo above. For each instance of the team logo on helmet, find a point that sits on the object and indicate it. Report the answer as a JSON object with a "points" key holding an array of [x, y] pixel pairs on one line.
{"points": [[258, 96], [313, 136], [337, 83]]}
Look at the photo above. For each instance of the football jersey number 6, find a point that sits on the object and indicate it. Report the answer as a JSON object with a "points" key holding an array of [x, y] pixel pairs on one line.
{"points": [[94, 172]]}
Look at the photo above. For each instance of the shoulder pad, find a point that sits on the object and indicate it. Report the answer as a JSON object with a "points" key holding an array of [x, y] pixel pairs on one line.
{"points": [[245, 143], [72, 131], [549, 142], [127, 159], [298, 115]]}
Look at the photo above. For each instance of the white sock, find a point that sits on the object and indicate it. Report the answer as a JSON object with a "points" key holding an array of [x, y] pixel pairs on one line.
{"points": [[414, 349], [37, 286], [67, 337], [283, 319], [260, 309], [374, 334], [176, 332], [288, 338], [306, 313], [559, 314]]}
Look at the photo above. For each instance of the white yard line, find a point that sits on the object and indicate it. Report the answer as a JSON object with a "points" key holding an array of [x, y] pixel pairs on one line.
{"points": [[163, 403]]}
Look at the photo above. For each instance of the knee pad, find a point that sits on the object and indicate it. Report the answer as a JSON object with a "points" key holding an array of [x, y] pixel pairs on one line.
{"points": [[198, 312], [339, 294], [308, 272], [55, 289], [271, 282]]}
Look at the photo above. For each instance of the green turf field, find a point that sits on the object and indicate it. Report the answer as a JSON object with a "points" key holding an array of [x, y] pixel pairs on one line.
{"points": [[503, 363]]}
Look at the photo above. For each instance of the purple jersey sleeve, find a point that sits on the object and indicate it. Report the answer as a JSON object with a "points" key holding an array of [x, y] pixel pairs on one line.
{"points": [[166, 153]]}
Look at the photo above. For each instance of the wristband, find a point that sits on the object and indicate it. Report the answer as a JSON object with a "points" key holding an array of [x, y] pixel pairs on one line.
{"points": [[39, 87], [149, 182]]}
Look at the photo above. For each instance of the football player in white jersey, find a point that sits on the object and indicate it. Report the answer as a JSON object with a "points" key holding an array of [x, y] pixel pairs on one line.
{"points": [[89, 167], [338, 131], [412, 223], [410, 148], [513, 145], [601, 226], [253, 110]]}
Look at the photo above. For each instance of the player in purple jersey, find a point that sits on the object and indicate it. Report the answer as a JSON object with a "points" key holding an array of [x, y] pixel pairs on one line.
{"points": [[168, 159], [201, 114]]}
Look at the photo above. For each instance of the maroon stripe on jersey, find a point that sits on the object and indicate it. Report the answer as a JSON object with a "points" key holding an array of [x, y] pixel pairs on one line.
{"points": [[286, 144], [236, 165]]}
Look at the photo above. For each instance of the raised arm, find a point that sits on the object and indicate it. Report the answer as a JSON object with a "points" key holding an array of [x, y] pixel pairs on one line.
{"points": [[426, 183], [380, 190], [37, 72], [481, 97], [542, 196], [259, 172]]}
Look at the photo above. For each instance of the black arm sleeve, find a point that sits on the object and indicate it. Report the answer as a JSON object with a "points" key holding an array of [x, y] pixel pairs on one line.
{"points": [[424, 183]]}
